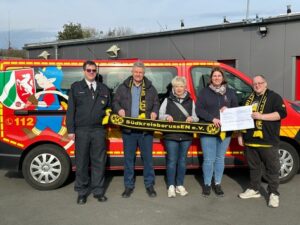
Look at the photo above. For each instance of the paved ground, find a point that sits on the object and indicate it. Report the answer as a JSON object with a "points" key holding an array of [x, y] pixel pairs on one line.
{"points": [[21, 204]]}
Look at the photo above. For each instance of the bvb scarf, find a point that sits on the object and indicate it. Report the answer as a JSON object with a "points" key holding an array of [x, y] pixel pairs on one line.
{"points": [[142, 105], [258, 132], [159, 125], [163, 126]]}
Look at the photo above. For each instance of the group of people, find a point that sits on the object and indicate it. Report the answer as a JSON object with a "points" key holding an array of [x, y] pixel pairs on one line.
{"points": [[136, 97]]}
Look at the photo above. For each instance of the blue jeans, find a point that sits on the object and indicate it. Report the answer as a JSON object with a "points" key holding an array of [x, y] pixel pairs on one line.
{"points": [[130, 143], [214, 150], [176, 161]]}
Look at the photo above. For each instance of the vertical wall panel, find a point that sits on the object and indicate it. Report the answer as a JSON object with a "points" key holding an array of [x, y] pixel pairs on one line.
{"points": [[297, 83]]}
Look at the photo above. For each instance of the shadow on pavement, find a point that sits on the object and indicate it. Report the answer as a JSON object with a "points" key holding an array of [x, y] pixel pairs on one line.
{"points": [[14, 174]]}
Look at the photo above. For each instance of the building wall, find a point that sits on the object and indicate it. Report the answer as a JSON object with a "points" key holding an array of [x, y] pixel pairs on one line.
{"points": [[273, 55]]}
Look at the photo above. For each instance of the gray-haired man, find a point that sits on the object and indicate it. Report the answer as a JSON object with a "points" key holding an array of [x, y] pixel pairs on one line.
{"points": [[136, 97]]}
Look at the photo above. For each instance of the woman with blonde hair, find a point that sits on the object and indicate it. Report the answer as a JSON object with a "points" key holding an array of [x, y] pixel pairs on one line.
{"points": [[179, 106]]}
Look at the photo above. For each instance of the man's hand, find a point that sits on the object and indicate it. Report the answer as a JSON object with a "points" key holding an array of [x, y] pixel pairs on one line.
{"points": [[257, 116], [153, 116], [121, 112], [240, 140]]}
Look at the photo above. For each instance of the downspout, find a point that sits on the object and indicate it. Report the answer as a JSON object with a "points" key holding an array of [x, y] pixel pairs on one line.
{"points": [[55, 51]]}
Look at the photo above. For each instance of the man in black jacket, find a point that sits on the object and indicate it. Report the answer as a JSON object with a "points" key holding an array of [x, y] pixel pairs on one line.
{"points": [[88, 100], [136, 97], [262, 141]]}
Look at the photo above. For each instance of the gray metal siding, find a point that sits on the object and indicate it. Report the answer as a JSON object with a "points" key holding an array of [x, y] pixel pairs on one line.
{"points": [[272, 56]]}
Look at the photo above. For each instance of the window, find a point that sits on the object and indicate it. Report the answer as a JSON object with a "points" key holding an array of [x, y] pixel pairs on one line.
{"points": [[160, 77], [201, 75], [242, 89], [70, 75], [113, 76]]}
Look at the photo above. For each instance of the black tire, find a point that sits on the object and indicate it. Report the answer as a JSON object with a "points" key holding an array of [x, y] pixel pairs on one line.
{"points": [[289, 162], [46, 167]]}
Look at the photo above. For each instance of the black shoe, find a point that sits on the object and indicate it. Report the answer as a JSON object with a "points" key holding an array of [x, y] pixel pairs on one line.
{"points": [[81, 199], [101, 198], [127, 192], [206, 191], [218, 190], [151, 192]]}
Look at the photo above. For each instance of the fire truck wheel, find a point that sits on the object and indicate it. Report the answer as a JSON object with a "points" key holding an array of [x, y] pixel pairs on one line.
{"points": [[289, 162], [46, 167]]}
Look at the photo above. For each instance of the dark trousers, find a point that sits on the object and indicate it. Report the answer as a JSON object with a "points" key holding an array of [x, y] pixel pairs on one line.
{"points": [[269, 157], [90, 149], [130, 143]]}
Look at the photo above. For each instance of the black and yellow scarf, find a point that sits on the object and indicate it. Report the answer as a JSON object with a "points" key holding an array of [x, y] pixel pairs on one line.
{"points": [[258, 132], [142, 105]]}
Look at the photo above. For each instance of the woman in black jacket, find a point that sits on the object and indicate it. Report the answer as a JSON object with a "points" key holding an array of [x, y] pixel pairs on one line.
{"points": [[177, 107], [211, 100]]}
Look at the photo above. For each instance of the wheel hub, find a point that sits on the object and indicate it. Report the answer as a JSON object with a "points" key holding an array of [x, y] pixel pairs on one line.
{"points": [[45, 168]]}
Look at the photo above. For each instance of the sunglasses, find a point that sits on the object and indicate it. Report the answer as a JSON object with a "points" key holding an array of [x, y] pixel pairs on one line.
{"points": [[91, 71]]}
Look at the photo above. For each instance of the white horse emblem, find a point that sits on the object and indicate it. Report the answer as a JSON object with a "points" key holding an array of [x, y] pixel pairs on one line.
{"points": [[26, 84]]}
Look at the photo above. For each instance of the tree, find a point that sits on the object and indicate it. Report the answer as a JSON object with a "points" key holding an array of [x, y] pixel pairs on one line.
{"points": [[89, 32], [71, 31], [12, 53], [76, 31], [118, 32]]}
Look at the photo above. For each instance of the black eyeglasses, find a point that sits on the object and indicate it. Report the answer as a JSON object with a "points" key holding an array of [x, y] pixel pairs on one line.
{"points": [[91, 71]]}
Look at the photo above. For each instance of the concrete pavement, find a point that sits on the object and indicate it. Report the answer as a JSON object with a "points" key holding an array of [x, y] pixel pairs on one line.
{"points": [[20, 204]]}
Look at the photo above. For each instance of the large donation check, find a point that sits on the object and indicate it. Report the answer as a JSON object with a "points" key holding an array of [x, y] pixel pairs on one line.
{"points": [[237, 118]]}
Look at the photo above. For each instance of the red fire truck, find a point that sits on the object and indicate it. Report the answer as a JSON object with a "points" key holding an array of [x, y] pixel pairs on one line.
{"points": [[33, 138]]}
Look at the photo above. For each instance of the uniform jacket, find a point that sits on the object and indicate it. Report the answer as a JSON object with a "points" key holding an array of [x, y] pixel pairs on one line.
{"points": [[83, 110]]}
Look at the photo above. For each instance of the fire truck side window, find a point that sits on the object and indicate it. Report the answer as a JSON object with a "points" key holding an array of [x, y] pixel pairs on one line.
{"points": [[201, 75], [160, 77]]}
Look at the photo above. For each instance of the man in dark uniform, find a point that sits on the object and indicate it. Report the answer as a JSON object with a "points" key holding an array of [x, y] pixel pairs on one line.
{"points": [[262, 141], [88, 100]]}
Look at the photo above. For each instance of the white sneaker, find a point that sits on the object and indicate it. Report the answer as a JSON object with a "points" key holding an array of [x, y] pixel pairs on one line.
{"points": [[181, 190], [249, 193], [171, 191], [273, 201]]}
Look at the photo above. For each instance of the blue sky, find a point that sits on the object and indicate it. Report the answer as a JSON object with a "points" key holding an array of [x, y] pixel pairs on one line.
{"points": [[31, 21]]}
